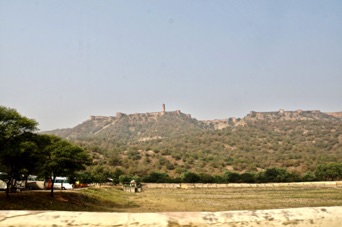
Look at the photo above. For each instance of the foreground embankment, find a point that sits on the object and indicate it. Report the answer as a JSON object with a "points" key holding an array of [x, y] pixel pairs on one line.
{"points": [[299, 217]]}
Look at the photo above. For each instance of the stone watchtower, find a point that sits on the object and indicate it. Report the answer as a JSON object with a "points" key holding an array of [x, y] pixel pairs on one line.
{"points": [[163, 109]]}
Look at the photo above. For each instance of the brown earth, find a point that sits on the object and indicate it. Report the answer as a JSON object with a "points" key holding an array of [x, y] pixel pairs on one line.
{"points": [[173, 200]]}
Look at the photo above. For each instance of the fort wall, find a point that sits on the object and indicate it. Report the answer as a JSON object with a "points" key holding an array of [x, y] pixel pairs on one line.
{"points": [[282, 112], [150, 114], [335, 114], [232, 120]]}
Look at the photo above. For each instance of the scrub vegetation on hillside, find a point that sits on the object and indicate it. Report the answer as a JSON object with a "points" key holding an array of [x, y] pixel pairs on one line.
{"points": [[297, 142]]}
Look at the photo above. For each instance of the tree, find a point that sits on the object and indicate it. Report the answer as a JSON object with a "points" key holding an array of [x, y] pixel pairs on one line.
{"points": [[100, 174], [309, 176], [125, 179], [218, 179], [16, 142], [206, 178], [157, 177], [331, 171], [247, 177], [231, 177], [276, 175], [12, 125], [63, 158], [116, 174], [189, 177]]}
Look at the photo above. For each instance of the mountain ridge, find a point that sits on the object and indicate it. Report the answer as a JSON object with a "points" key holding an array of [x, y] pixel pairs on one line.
{"points": [[174, 142], [102, 122]]}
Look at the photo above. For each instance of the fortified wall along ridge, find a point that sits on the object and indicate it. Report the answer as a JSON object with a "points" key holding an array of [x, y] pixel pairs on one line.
{"points": [[119, 115]]}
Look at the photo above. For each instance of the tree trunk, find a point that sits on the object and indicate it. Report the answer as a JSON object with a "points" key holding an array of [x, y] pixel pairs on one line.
{"points": [[8, 183], [52, 185]]}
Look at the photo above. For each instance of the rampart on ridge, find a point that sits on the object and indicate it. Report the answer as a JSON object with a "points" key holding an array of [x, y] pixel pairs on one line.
{"points": [[282, 112], [119, 115], [335, 114], [222, 123]]}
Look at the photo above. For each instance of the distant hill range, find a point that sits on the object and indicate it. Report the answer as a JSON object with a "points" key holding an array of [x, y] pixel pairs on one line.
{"points": [[156, 124], [140, 126], [173, 141]]}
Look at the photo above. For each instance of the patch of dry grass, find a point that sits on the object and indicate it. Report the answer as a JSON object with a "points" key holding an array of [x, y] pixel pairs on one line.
{"points": [[111, 200], [172, 200], [167, 200]]}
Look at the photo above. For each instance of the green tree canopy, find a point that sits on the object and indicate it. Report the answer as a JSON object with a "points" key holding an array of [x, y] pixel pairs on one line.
{"points": [[231, 177], [63, 158], [276, 175], [157, 177], [189, 177], [12, 125], [330, 171], [17, 143]]}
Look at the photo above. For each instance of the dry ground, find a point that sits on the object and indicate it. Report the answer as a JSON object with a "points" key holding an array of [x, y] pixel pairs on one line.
{"points": [[163, 200], [172, 200]]}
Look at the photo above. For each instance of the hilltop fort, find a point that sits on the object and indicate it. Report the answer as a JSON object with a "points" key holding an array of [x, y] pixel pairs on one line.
{"points": [[228, 122], [119, 115]]}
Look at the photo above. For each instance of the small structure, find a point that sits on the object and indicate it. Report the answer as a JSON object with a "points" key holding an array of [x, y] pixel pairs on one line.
{"points": [[163, 109], [132, 187]]}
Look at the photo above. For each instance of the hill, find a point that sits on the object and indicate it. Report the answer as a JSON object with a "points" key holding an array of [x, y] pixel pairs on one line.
{"points": [[174, 142], [133, 127]]}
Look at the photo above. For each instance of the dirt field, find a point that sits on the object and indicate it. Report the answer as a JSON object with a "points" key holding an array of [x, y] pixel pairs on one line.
{"points": [[173, 200], [163, 200]]}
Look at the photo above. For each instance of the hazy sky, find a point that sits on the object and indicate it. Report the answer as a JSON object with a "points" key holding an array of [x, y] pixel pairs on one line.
{"points": [[64, 60]]}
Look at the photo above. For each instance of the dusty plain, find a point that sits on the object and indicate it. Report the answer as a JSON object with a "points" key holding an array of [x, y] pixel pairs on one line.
{"points": [[111, 199]]}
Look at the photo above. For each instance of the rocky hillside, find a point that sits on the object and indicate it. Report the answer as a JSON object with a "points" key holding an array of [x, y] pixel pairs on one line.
{"points": [[133, 127], [147, 126], [174, 142]]}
